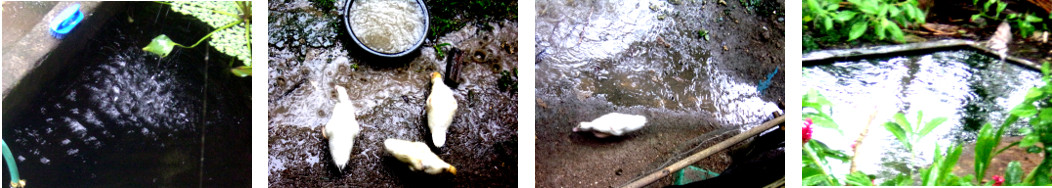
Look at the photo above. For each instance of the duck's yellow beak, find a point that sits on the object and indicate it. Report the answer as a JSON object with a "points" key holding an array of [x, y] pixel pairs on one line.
{"points": [[452, 170], [436, 75]]}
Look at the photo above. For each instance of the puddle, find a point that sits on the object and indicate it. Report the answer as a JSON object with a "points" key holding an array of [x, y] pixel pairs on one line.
{"points": [[646, 57], [309, 56], [966, 87], [116, 116]]}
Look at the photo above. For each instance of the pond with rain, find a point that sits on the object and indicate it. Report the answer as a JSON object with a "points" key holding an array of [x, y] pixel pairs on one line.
{"points": [[98, 111], [966, 87]]}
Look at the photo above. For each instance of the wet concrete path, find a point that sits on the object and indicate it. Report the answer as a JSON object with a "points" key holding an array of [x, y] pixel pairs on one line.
{"points": [[646, 57], [309, 56]]}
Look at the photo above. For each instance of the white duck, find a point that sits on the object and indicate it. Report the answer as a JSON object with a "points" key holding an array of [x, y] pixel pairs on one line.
{"points": [[613, 124], [441, 106], [341, 129], [418, 156]]}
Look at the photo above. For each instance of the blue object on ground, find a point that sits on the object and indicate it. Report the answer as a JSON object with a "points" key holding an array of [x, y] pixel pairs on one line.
{"points": [[692, 174], [66, 21], [763, 85]]}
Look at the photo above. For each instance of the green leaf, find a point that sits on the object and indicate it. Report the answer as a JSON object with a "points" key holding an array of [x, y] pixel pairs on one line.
{"points": [[813, 6], [821, 120], [986, 6], [858, 179], [1014, 175], [815, 100], [920, 121], [1024, 110], [827, 23], [899, 180], [857, 29], [1045, 68], [242, 71], [881, 29], [931, 126], [900, 119], [160, 45], [832, 7], [984, 147], [813, 180], [976, 17], [1028, 140], [846, 15], [1033, 19], [929, 175], [899, 134], [1000, 7], [896, 33], [824, 151], [949, 162], [1034, 93]]}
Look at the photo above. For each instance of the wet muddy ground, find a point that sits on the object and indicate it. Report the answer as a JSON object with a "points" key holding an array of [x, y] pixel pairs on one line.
{"points": [[967, 87], [310, 55], [646, 57], [112, 115]]}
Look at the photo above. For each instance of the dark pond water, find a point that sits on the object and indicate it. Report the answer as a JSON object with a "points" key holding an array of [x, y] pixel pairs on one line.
{"points": [[310, 55], [967, 87], [114, 116]]}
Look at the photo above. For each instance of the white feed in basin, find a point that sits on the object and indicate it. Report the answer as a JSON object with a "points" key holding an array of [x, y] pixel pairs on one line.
{"points": [[388, 26]]}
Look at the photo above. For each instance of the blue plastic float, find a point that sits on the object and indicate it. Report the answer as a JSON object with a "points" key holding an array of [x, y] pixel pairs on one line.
{"points": [[66, 21]]}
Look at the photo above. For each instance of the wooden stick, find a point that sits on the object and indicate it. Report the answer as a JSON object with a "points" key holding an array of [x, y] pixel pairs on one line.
{"points": [[858, 142], [646, 180]]}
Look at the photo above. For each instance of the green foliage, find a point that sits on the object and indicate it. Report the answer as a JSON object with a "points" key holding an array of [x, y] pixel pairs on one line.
{"points": [[1038, 137], [508, 81], [817, 155], [231, 37], [439, 51], [821, 106], [816, 160], [884, 18], [160, 45], [939, 171], [324, 5], [906, 133], [859, 179], [454, 14], [1024, 23], [702, 33]]}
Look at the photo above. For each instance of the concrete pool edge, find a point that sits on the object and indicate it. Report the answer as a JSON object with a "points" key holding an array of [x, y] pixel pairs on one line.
{"points": [[823, 56], [29, 53]]}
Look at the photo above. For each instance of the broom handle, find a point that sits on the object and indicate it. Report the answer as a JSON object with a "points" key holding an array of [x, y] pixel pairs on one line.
{"points": [[646, 180]]}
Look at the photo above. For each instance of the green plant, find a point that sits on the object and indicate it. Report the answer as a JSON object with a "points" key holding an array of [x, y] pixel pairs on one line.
{"points": [[885, 18], [906, 133], [232, 36], [1024, 22], [1035, 108], [817, 155], [439, 51], [454, 14], [508, 80]]}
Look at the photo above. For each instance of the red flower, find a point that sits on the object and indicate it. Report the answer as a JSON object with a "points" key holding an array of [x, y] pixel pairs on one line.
{"points": [[807, 130], [998, 180]]}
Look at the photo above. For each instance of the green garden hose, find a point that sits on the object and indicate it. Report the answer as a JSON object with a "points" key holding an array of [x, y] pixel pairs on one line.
{"points": [[11, 167]]}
